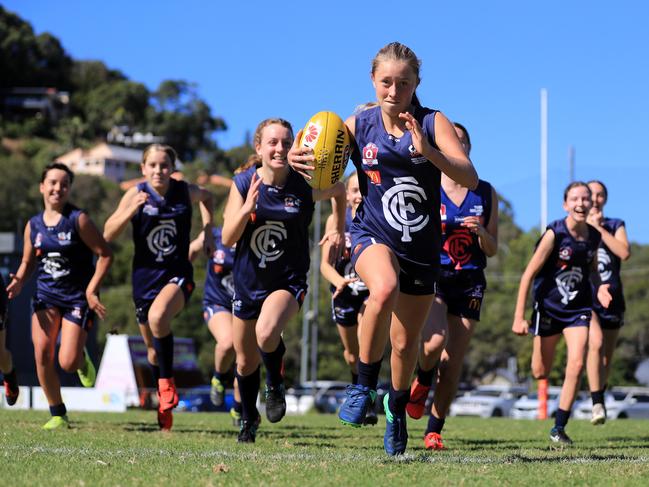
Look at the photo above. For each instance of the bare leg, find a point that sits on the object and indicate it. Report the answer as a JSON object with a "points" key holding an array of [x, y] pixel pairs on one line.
{"points": [[73, 340], [45, 329], [220, 326], [576, 339]]}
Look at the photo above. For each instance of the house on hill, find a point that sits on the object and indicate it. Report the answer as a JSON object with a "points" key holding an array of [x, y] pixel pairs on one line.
{"points": [[110, 161]]}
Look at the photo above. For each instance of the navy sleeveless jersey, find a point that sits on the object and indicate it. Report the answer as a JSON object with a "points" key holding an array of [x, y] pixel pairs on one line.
{"points": [[65, 263], [161, 230], [400, 191], [562, 288], [219, 287], [344, 265], [608, 265], [274, 246], [460, 247]]}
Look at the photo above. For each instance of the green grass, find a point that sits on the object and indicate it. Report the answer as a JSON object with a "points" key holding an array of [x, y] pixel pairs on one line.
{"points": [[127, 449]]}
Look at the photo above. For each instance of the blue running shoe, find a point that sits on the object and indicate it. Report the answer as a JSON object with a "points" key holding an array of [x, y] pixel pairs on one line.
{"points": [[359, 401], [396, 434]]}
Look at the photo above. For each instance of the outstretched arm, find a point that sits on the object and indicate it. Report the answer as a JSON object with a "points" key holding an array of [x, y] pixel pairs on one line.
{"points": [[26, 267], [95, 241]]}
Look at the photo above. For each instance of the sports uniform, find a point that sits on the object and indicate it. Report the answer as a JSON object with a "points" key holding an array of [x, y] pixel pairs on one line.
{"points": [[608, 266], [219, 286], [562, 289], [462, 282], [400, 199]]}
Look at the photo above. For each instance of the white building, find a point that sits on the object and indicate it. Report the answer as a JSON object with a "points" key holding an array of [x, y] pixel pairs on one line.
{"points": [[110, 161]]}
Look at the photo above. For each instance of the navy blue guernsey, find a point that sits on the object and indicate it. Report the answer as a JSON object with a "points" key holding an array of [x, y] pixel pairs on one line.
{"points": [[562, 288], [460, 247], [344, 265], [65, 263], [161, 230], [274, 246], [608, 265], [400, 204], [219, 287]]}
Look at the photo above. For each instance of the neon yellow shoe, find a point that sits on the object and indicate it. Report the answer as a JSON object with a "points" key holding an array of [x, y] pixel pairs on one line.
{"points": [[87, 373], [217, 392], [57, 422], [236, 417]]}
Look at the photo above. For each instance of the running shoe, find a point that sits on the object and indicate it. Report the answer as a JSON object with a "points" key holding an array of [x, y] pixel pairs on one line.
{"points": [[217, 392], [167, 394], [558, 435], [275, 403], [248, 431], [433, 441], [236, 417], [396, 433], [417, 403], [599, 414], [165, 420], [370, 417], [57, 422], [87, 373], [11, 390], [359, 400]]}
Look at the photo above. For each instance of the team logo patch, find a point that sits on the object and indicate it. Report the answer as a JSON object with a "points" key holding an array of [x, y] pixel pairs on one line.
{"points": [[292, 204], [415, 156], [568, 284], [604, 265], [150, 210], [266, 240], [219, 256], [55, 265], [398, 207], [375, 177], [313, 131], [65, 238], [370, 154], [76, 312], [38, 241], [565, 253], [162, 239], [457, 246], [228, 283]]}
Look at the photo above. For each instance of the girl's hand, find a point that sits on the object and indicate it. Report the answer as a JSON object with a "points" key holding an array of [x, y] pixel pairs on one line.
{"points": [[96, 305], [301, 159], [521, 326], [250, 205], [604, 296], [419, 140], [473, 224], [344, 282], [336, 241], [138, 200], [14, 287], [595, 217]]}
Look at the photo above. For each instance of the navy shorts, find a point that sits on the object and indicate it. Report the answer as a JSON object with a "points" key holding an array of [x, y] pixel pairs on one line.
{"points": [[462, 292], [79, 314], [248, 309], [142, 306], [611, 321], [416, 280], [346, 306], [210, 310], [544, 325]]}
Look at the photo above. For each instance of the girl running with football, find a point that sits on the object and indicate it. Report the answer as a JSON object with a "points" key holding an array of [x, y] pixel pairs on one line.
{"points": [[606, 322], [61, 242], [469, 236], [401, 149], [267, 215], [561, 269], [160, 211]]}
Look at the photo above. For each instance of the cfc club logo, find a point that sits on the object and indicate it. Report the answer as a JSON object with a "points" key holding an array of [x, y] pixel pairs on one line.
{"points": [[604, 265], [398, 207], [265, 242], [370, 154], [228, 283], [312, 133], [567, 283], [457, 246], [161, 240]]}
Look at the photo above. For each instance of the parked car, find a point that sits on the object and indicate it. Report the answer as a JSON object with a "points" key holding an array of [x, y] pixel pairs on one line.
{"points": [[325, 395], [620, 402], [527, 406], [487, 401]]}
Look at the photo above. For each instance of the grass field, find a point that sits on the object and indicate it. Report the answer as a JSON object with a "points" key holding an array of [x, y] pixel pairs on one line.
{"points": [[126, 449]]}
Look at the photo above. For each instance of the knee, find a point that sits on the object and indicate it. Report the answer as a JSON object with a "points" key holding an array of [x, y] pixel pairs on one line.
{"points": [[574, 367], [246, 365], [43, 356], [267, 338], [225, 346], [404, 345], [155, 317], [539, 372], [384, 294], [69, 363]]}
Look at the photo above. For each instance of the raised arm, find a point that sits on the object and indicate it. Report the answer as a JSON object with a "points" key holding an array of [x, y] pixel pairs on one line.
{"points": [[128, 206], [26, 267], [238, 211], [95, 242], [196, 246], [205, 202]]}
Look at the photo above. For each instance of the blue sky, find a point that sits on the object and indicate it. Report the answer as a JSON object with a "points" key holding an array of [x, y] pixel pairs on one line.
{"points": [[483, 64]]}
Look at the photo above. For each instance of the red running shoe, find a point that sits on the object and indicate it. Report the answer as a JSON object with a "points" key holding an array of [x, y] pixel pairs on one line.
{"points": [[167, 394], [417, 403], [11, 392], [433, 441], [165, 420]]}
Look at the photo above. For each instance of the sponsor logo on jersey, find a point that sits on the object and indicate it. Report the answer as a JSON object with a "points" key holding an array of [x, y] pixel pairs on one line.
{"points": [[477, 210], [76, 312], [38, 241], [150, 210], [474, 304], [415, 156], [266, 242], [162, 239], [568, 284], [311, 134], [375, 176], [64, 238], [398, 208], [604, 265], [292, 204], [370, 154]]}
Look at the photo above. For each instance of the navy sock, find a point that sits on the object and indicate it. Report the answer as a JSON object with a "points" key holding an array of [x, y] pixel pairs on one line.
{"points": [[368, 374], [249, 390], [397, 400], [218, 375], [58, 410], [425, 377], [237, 406], [597, 397], [561, 419], [354, 378], [435, 425], [164, 348], [273, 363]]}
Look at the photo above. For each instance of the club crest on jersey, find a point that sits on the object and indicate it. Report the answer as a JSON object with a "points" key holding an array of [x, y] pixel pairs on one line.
{"points": [[370, 154], [458, 247], [292, 204], [265, 242], [415, 156], [312, 134], [567, 284], [228, 283], [55, 265], [604, 265], [162, 239], [565, 253], [150, 210], [64, 238], [218, 256], [38, 240], [398, 207]]}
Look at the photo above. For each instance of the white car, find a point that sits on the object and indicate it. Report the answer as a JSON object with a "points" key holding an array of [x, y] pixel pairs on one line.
{"points": [[487, 401], [527, 407], [620, 402]]}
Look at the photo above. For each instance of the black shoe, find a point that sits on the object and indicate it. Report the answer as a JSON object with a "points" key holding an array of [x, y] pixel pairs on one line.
{"points": [[248, 431], [370, 417], [11, 387], [275, 403], [558, 435]]}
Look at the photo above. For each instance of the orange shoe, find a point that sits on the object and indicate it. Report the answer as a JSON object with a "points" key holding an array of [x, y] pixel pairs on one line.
{"points": [[11, 393], [165, 420], [433, 441], [167, 394], [417, 403]]}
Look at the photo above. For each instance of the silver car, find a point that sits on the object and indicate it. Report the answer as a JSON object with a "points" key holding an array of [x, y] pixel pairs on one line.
{"points": [[527, 407], [620, 403], [487, 401]]}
